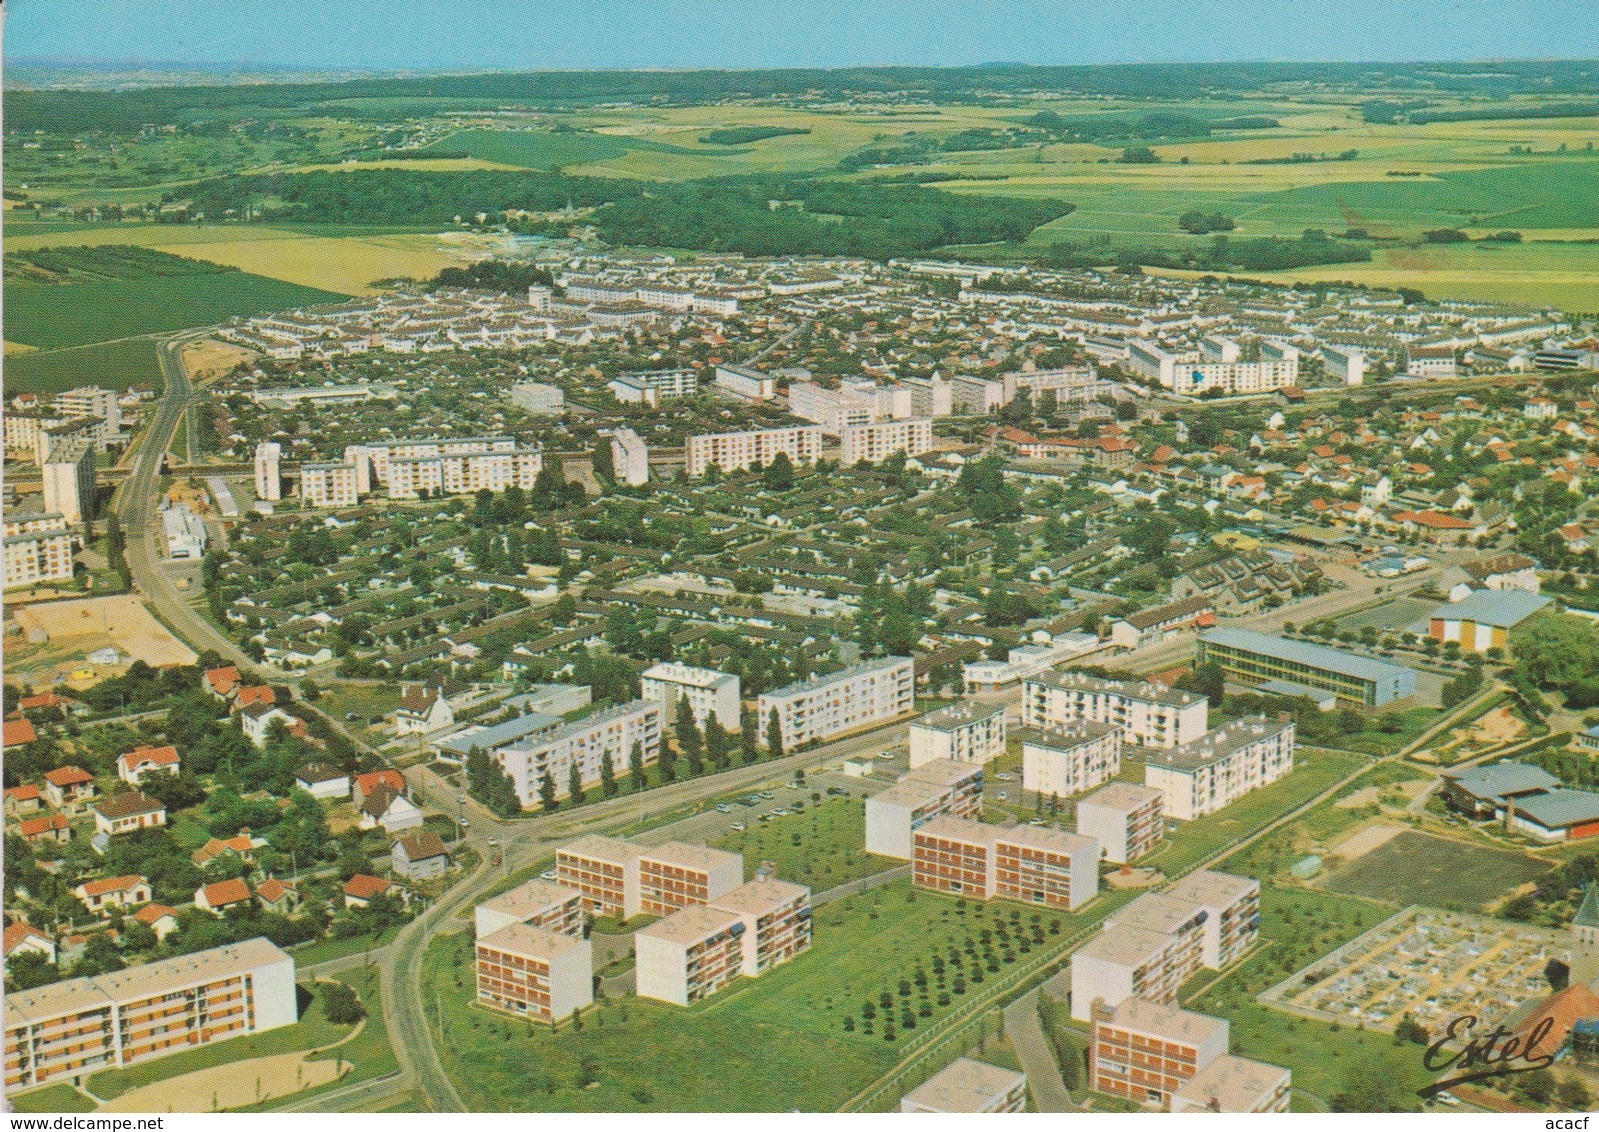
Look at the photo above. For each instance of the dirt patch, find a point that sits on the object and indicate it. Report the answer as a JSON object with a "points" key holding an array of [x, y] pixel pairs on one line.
{"points": [[1368, 796], [233, 1085], [1498, 726], [209, 358], [1363, 841], [122, 619]]}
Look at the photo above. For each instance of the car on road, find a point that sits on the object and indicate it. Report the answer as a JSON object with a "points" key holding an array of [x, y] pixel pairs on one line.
{"points": [[1446, 1097], [547, 874], [723, 808], [738, 827], [1005, 776]]}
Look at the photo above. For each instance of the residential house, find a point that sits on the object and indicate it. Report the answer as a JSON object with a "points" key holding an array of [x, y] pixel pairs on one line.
{"points": [[128, 812], [69, 788], [113, 892], [133, 766], [278, 896], [222, 895], [160, 919], [364, 784], [361, 889], [420, 856], [45, 828], [323, 781], [394, 812], [25, 939], [423, 710], [21, 800]]}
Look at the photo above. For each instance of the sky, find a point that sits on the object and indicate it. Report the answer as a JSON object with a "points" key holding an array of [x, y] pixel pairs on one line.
{"points": [[590, 34]]}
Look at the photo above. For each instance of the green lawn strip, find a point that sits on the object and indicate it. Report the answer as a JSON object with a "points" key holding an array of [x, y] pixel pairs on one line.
{"points": [[820, 847], [115, 364], [312, 1031], [51, 1098], [322, 950]]}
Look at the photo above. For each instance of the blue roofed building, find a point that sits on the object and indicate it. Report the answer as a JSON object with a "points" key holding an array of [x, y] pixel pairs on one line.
{"points": [[457, 746], [1486, 792], [1255, 659]]}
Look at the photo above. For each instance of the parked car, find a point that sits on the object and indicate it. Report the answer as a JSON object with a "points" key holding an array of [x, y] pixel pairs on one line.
{"points": [[723, 808], [548, 874], [739, 826]]}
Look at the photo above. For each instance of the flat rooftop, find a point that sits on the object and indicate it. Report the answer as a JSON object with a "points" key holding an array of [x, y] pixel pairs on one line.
{"points": [[1048, 840], [687, 674], [1169, 1023], [594, 846], [1222, 743], [530, 898], [686, 856], [944, 772], [1155, 912], [1072, 733], [689, 926], [1132, 689], [1121, 796], [1213, 889], [819, 682], [955, 716], [965, 1086], [761, 896], [1232, 1084], [1302, 652], [531, 942], [1124, 945], [143, 981]]}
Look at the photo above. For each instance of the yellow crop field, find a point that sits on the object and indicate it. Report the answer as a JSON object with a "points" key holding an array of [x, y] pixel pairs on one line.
{"points": [[19, 348], [347, 264], [419, 165], [147, 236]]}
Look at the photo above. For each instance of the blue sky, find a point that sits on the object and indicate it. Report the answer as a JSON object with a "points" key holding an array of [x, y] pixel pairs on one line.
{"points": [[536, 34]]}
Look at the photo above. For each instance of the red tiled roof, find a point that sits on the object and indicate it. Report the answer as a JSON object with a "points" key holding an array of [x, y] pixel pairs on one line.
{"points": [[222, 680], [272, 890], [18, 933], [159, 756], [366, 783], [68, 776], [364, 887], [34, 827], [23, 793], [150, 913], [255, 694], [17, 732], [225, 892], [1563, 1008], [112, 884]]}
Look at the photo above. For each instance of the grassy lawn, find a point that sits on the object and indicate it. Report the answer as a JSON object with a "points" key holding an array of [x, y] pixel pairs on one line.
{"points": [[884, 942], [1301, 926], [51, 1098], [312, 1031], [820, 847], [325, 949], [1414, 868], [1193, 841]]}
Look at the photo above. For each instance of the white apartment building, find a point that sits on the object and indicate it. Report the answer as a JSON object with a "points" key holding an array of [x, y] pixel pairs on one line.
{"points": [[874, 443], [76, 1027], [1148, 715], [1150, 947], [933, 397], [967, 731], [68, 473], [1028, 864], [709, 693], [1124, 818], [630, 457], [269, 471], [735, 451], [1346, 363], [1201, 777], [1075, 756], [542, 903], [329, 485], [853, 403], [538, 399], [976, 396], [102, 405], [36, 556], [777, 922], [459, 474], [1192, 374], [943, 788], [534, 973], [746, 382], [651, 387], [688, 956], [811, 710], [1430, 361], [586, 743]]}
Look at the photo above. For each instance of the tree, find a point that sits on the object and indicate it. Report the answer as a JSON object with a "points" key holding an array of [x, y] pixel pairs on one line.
{"points": [[635, 765], [29, 969], [1208, 679], [774, 735], [748, 736], [574, 783], [488, 783], [717, 742], [607, 775], [340, 1004], [604, 462], [689, 742], [547, 791]]}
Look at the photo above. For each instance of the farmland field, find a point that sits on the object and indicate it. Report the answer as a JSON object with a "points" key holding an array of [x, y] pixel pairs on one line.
{"points": [[1414, 868], [77, 314], [116, 364]]}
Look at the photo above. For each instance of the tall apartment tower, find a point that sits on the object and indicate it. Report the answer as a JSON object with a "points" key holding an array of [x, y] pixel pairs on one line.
{"points": [[68, 474], [269, 471]]}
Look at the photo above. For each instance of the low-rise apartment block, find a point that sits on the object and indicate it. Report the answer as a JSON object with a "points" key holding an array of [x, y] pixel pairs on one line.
{"points": [[269, 471], [736, 451], [746, 382], [73, 1028], [630, 457], [1163, 1057], [587, 743], [1075, 756], [689, 956], [1150, 947], [966, 731], [709, 693], [816, 709], [618, 878], [1147, 715], [1124, 818], [38, 556], [538, 399], [1030, 864], [933, 790], [328, 485], [534, 973], [969, 1086], [874, 443], [541, 903], [1201, 777], [651, 387], [777, 922]]}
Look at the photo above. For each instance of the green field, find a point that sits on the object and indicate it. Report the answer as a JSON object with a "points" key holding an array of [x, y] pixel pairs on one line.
{"points": [[114, 364], [819, 848], [792, 1016], [1414, 868], [542, 149], [51, 317], [51, 1098]]}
